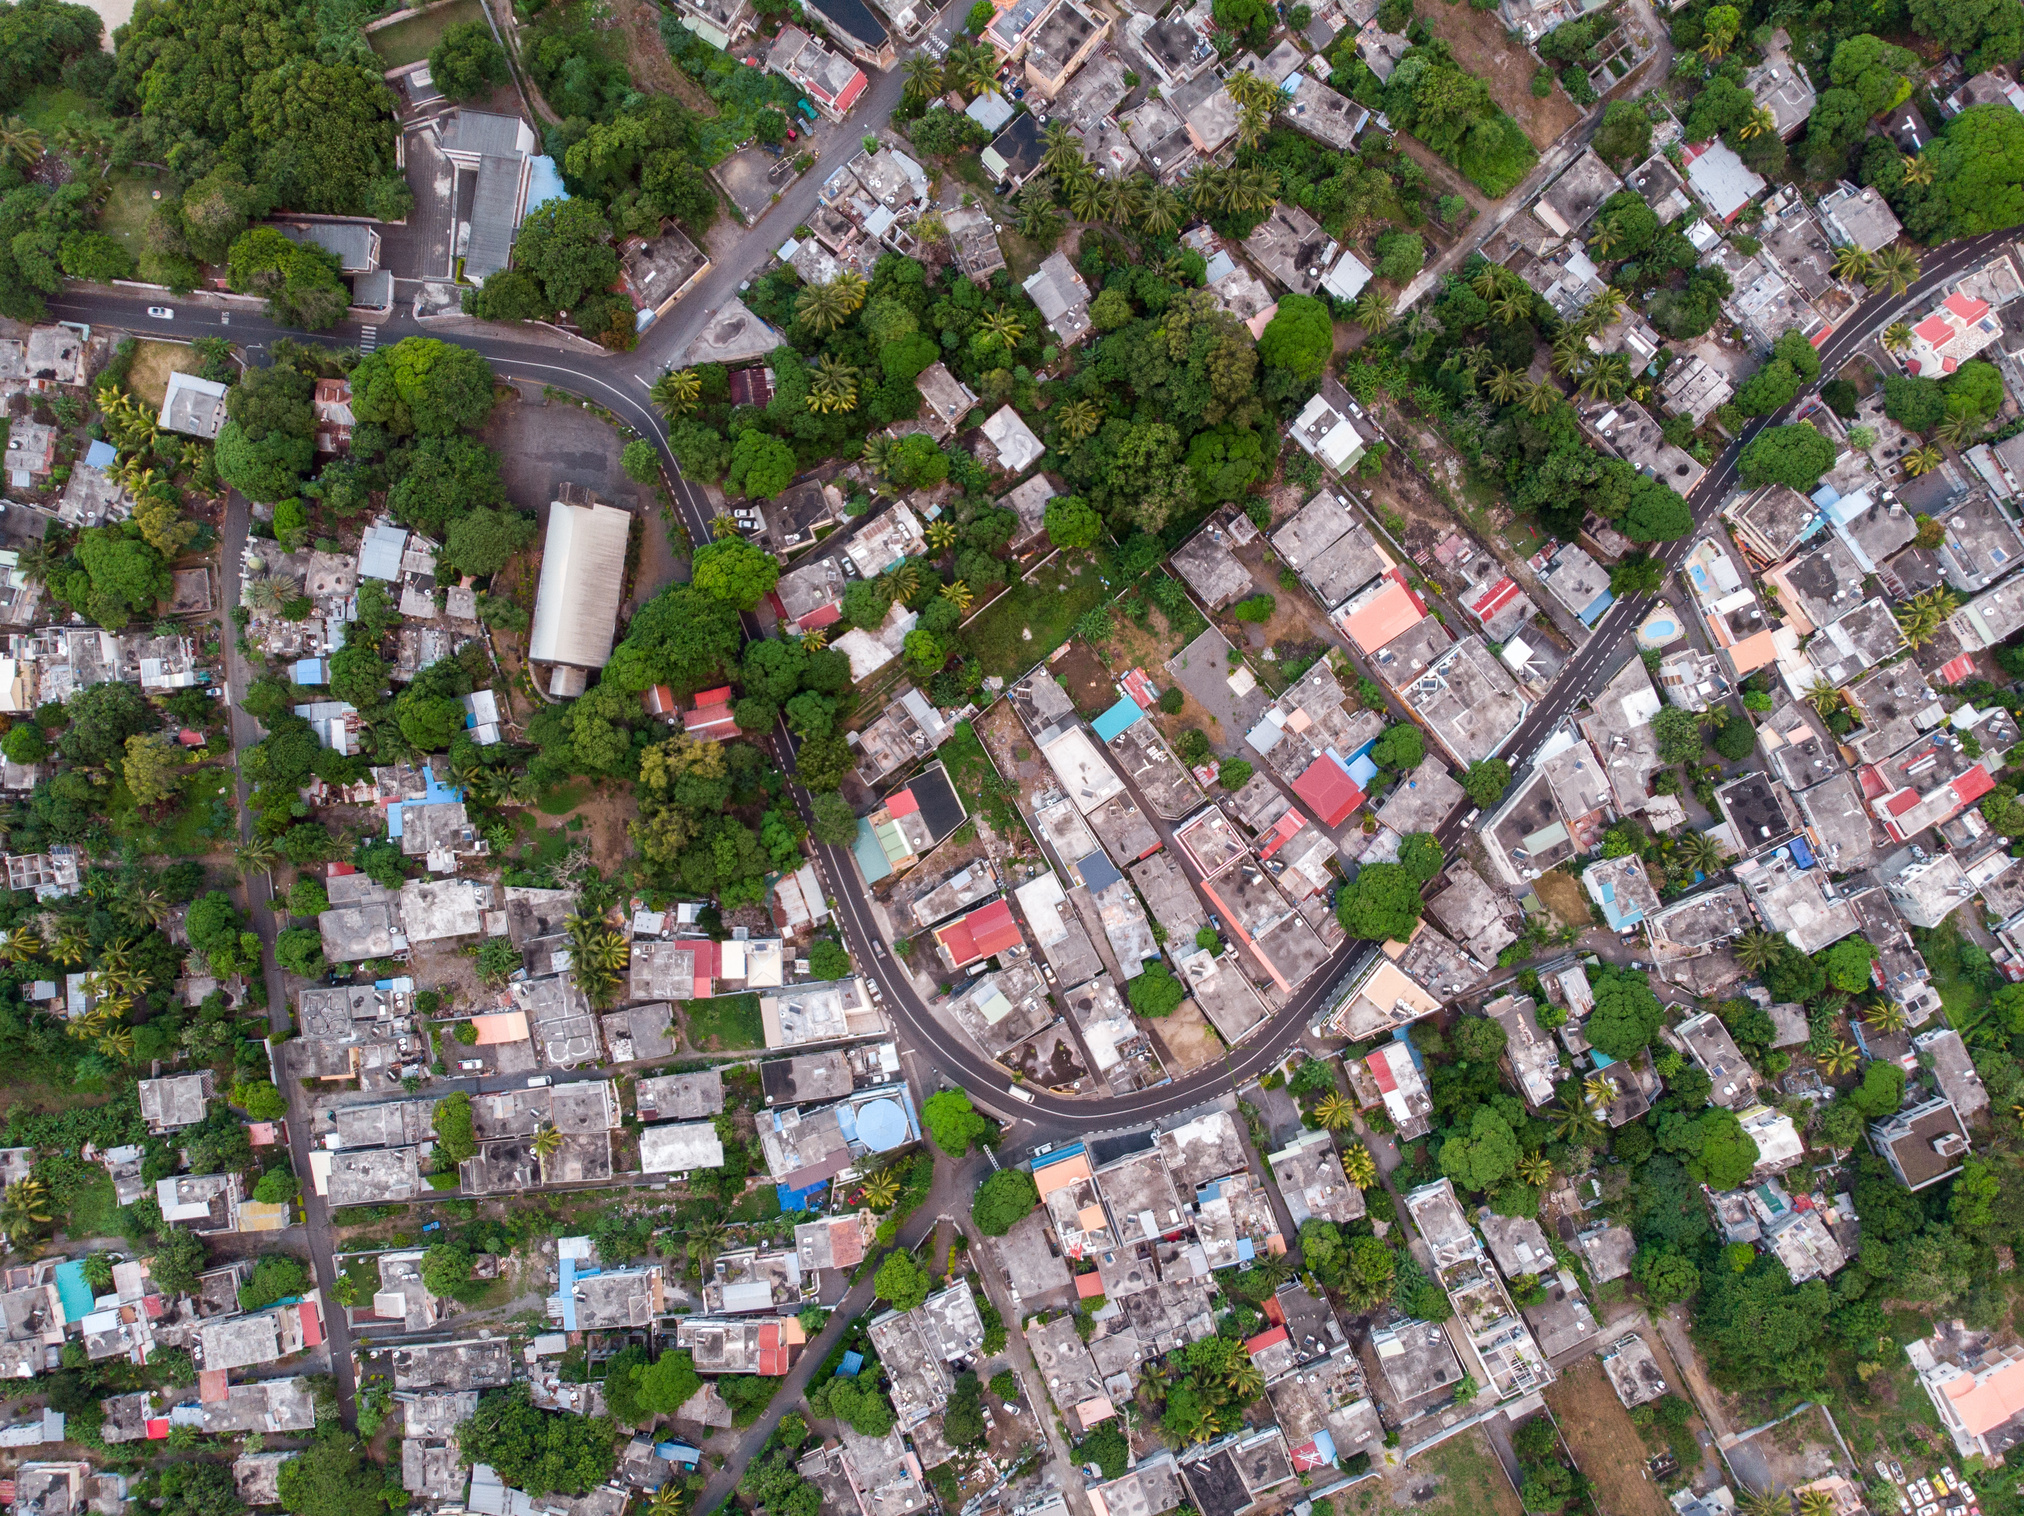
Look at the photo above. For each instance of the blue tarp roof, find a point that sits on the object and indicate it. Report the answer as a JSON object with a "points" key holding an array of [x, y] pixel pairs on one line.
{"points": [[798, 1200], [436, 793], [1117, 718], [101, 455], [311, 671], [852, 1362], [544, 183], [1801, 853]]}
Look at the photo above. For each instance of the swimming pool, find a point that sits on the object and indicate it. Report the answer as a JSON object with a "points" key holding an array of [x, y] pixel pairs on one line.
{"points": [[1661, 626]]}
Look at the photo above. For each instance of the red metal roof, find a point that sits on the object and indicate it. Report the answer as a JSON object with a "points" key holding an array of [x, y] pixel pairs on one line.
{"points": [[158, 1427], [710, 721], [1958, 669], [856, 87], [1308, 1457], [1256, 1345], [1380, 1070], [986, 930], [1967, 307], [1934, 329], [1494, 598], [902, 803], [1821, 336], [1088, 1286], [1901, 802], [822, 615], [312, 1324], [1283, 831], [1330, 791], [719, 696], [659, 700], [1973, 785]]}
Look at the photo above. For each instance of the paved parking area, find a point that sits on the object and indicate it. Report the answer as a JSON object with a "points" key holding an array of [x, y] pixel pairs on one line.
{"points": [[752, 178], [1202, 668]]}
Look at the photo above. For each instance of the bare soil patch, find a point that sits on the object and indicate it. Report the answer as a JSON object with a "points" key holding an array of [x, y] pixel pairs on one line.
{"points": [[1482, 49], [1086, 678], [1187, 1041], [648, 60], [1599, 1431], [1564, 897], [1459, 1477], [149, 377]]}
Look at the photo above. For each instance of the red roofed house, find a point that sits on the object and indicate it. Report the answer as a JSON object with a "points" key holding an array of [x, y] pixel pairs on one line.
{"points": [[659, 700], [987, 930], [312, 1324], [778, 1341], [1088, 1286], [1928, 783], [1976, 1385], [1955, 670], [1282, 832], [1959, 329], [711, 720], [1326, 786]]}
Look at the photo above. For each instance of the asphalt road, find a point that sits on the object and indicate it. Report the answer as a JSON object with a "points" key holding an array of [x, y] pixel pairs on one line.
{"points": [[620, 382]]}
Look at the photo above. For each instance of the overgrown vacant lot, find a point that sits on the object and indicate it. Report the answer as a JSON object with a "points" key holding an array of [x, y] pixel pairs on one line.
{"points": [[1482, 49]]}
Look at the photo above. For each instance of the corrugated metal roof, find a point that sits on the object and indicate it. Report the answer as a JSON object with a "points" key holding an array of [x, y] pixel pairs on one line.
{"points": [[582, 577]]}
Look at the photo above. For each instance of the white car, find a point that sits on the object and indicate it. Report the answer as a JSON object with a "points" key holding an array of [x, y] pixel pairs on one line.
{"points": [[162, 312]]}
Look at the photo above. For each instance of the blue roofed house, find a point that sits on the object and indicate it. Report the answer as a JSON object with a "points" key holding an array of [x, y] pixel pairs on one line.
{"points": [[1117, 718], [1623, 891], [100, 455]]}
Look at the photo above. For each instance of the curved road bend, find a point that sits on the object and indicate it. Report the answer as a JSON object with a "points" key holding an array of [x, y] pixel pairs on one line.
{"points": [[615, 381]]}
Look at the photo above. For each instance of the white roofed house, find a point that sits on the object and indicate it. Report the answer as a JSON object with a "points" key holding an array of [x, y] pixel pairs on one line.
{"points": [[1332, 428], [1062, 298], [582, 581]]}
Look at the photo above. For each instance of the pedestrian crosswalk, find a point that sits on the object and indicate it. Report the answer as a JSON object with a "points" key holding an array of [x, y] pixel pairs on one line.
{"points": [[368, 339]]}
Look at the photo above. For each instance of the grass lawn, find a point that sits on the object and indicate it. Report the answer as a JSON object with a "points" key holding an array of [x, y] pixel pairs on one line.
{"points": [[759, 1204], [1958, 993], [565, 798], [723, 1023], [94, 1211], [205, 820], [1035, 616], [48, 108], [412, 41], [363, 1272], [126, 214]]}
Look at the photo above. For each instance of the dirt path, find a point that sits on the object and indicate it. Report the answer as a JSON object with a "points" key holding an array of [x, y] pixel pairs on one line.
{"points": [[1689, 1374]]}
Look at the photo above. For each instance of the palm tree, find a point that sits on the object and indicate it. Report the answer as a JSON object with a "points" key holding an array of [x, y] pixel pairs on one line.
{"points": [[1922, 460], [924, 77], [1078, 419], [1702, 853], [851, 289], [1333, 1112], [1063, 149], [904, 578], [25, 1207], [1604, 307], [941, 536], [1603, 236], [523, 789], [1506, 384], [1896, 266], [1897, 337], [1005, 327], [1534, 1170], [1597, 1091], [1887, 1018], [1254, 189], [1123, 199], [266, 592], [1958, 428], [1757, 950], [676, 392], [1037, 216], [1767, 1502], [1759, 121], [1162, 211], [1085, 198], [1512, 306], [20, 141], [1851, 263], [546, 1140], [1246, 1382], [1372, 311], [256, 855], [1840, 1058], [833, 386], [820, 307], [1824, 698], [21, 944], [704, 1236], [815, 641], [1542, 397], [957, 593], [145, 907], [1921, 617], [668, 1500], [1815, 1503], [1570, 351], [1575, 1121], [1607, 378], [118, 1043], [72, 944], [1918, 168], [1358, 1167], [882, 1190]]}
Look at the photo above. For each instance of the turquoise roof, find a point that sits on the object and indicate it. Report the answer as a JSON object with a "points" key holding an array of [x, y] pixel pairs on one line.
{"points": [[1117, 718]]}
